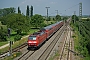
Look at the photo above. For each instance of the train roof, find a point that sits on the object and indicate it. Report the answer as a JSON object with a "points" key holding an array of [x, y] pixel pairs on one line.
{"points": [[47, 27], [50, 26], [37, 33]]}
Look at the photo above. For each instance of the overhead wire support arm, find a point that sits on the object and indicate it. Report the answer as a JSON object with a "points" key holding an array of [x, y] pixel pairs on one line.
{"points": [[47, 13], [56, 11]]}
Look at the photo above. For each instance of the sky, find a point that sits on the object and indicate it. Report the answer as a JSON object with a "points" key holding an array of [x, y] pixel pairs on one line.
{"points": [[64, 7]]}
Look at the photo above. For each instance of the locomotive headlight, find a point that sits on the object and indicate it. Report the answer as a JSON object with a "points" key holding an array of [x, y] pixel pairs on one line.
{"points": [[34, 42], [29, 42]]}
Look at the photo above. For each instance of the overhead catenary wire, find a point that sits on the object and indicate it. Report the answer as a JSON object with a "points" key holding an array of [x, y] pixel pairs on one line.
{"points": [[59, 12]]}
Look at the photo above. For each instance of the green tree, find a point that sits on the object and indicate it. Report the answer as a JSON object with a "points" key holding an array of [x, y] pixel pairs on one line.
{"points": [[3, 20], [49, 18], [27, 11], [74, 18], [58, 17], [31, 11], [1, 12], [37, 21], [6, 11], [65, 18], [18, 23], [53, 19], [3, 34], [19, 11]]}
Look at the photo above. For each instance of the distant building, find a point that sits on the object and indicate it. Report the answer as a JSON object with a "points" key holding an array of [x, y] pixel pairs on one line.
{"points": [[85, 18]]}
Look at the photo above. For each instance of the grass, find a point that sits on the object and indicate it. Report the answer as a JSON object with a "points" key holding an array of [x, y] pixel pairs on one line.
{"points": [[49, 22], [32, 31], [3, 43], [13, 56], [87, 58], [56, 55]]}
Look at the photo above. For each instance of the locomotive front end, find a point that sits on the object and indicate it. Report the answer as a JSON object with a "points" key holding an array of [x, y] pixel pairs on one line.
{"points": [[32, 42]]}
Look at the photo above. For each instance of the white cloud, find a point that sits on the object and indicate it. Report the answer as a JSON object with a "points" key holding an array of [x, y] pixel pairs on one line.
{"points": [[53, 2], [23, 2]]}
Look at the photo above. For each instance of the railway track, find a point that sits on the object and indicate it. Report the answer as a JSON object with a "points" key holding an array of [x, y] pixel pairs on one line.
{"points": [[5, 54], [65, 53], [25, 55], [44, 51]]}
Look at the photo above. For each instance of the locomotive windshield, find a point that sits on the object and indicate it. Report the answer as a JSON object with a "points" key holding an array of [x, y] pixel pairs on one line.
{"points": [[32, 37]]}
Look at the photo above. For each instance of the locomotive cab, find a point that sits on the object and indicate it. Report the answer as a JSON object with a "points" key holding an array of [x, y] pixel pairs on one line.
{"points": [[32, 41]]}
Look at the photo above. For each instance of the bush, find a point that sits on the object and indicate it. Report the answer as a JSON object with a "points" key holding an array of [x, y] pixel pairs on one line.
{"points": [[52, 22], [3, 34], [17, 37]]}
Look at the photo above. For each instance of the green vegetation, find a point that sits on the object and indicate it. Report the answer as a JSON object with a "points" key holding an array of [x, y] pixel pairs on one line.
{"points": [[19, 11], [18, 23], [3, 43], [6, 11], [3, 34], [55, 56], [37, 21], [58, 17], [27, 11], [31, 11], [81, 37], [17, 37], [49, 22]]}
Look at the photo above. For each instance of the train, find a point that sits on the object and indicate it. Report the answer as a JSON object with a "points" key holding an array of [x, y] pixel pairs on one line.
{"points": [[36, 39]]}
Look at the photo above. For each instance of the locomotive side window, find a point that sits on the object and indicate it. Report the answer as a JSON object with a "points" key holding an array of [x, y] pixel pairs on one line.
{"points": [[42, 33], [32, 38]]}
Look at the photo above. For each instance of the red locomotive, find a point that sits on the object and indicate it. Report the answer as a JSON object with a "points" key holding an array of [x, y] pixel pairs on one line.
{"points": [[36, 39]]}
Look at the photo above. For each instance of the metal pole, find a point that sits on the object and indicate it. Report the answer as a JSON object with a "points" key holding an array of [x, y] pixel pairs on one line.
{"points": [[47, 14], [80, 15], [10, 47], [74, 16], [64, 17], [56, 11]]}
